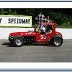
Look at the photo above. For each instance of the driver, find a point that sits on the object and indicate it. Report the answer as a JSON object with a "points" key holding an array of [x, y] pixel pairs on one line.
{"points": [[43, 29]]}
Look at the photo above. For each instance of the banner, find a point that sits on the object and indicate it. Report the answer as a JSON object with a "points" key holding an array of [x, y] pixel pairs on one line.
{"points": [[16, 21]]}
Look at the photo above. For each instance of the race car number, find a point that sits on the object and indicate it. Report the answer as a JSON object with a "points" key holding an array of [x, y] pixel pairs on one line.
{"points": [[42, 37]]}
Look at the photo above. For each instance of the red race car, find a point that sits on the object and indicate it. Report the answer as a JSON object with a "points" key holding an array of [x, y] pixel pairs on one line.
{"points": [[44, 33]]}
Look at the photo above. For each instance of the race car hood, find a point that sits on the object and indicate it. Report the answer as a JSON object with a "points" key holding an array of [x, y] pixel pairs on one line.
{"points": [[23, 34]]}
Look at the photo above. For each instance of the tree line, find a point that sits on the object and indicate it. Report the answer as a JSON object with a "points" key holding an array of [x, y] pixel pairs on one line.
{"points": [[61, 16]]}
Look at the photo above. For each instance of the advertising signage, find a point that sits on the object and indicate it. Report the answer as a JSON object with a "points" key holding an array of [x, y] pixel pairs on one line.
{"points": [[16, 21]]}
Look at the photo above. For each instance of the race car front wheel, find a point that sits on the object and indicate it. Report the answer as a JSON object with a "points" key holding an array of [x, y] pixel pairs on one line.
{"points": [[18, 41]]}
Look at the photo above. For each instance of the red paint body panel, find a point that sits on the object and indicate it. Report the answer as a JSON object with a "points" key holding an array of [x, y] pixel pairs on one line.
{"points": [[40, 38]]}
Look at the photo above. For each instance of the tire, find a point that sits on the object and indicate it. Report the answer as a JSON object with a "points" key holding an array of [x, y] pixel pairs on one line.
{"points": [[18, 41], [54, 43], [57, 41]]}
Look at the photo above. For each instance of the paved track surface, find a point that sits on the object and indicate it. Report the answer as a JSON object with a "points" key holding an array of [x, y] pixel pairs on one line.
{"points": [[35, 53]]}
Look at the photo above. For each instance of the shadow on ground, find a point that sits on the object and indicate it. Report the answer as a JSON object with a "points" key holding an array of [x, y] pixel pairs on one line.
{"points": [[7, 44], [27, 44]]}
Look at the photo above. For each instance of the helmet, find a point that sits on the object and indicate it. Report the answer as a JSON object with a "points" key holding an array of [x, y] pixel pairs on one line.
{"points": [[43, 28]]}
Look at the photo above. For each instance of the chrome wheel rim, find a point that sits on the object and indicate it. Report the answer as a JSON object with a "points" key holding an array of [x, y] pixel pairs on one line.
{"points": [[18, 42], [57, 41]]}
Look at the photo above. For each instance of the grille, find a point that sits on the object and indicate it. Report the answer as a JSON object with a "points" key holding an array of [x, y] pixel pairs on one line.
{"points": [[29, 39]]}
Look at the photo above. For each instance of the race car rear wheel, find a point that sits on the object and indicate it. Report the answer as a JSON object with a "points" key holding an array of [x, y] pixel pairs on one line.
{"points": [[57, 41], [18, 41]]}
